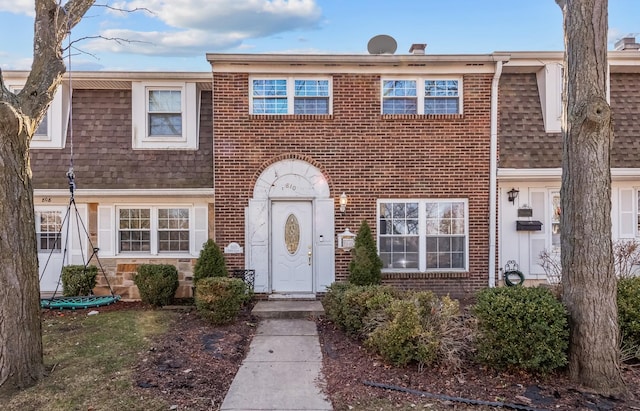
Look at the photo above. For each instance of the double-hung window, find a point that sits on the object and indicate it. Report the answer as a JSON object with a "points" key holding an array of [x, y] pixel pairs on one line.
{"points": [[154, 230], [290, 95], [48, 230], [423, 235], [421, 96], [165, 115], [164, 111]]}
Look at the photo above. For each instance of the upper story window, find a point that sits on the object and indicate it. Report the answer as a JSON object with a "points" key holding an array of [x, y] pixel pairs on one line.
{"points": [[165, 115], [421, 96], [290, 96], [52, 131], [424, 235]]}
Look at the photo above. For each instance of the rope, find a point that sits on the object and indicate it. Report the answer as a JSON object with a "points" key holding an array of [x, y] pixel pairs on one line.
{"points": [[70, 172]]}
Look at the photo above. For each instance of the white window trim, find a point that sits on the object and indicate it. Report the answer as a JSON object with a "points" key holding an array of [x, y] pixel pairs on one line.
{"points": [[153, 237], [290, 92], [190, 116], [421, 93], [57, 118], [422, 233]]}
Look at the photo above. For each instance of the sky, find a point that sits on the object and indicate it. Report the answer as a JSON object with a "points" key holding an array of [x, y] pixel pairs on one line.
{"points": [[175, 35]]}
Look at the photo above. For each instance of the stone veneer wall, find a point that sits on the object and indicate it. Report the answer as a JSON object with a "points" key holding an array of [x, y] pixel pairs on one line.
{"points": [[120, 273]]}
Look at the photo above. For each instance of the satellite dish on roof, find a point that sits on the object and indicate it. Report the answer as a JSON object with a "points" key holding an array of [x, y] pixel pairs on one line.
{"points": [[382, 44]]}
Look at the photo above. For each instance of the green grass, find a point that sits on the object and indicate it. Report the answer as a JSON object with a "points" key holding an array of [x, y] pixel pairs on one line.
{"points": [[90, 361]]}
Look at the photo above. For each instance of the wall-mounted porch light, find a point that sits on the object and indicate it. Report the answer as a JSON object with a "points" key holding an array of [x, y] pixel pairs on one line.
{"points": [[512, 195], [343, 202]]}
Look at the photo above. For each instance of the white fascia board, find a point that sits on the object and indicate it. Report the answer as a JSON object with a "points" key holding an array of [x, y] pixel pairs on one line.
{"points": [[337, 63], [529, 174], [169, 193], [547, 174]]}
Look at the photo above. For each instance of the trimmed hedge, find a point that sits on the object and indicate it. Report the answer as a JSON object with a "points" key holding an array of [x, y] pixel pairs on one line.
{"points": [[157, 283], [78, 280], [521, 327], [220, 299]]}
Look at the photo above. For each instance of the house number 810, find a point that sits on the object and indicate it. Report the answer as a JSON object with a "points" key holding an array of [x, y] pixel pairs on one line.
{"points": [[289, 186]]}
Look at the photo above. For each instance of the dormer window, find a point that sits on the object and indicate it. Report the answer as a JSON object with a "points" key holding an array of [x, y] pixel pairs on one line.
{"points": [[165, 115], [52, 131]]}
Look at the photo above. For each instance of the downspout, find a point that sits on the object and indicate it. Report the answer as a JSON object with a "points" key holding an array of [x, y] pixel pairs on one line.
{"points": [[493, 177]]}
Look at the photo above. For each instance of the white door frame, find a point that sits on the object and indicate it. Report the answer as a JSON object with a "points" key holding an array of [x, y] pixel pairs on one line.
{"points": [[290, 180]]}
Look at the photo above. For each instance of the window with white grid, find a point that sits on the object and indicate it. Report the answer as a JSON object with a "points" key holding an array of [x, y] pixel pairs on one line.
{"points": [[421, 96], [423, 234], [173, 229], [134, 232], [289, 95], [48, 230]]}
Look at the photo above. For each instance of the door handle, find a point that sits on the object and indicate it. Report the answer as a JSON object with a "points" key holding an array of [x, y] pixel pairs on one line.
{"points": [[309, 254]]}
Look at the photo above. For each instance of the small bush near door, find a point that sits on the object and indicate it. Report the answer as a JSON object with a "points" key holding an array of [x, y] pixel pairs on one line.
{"points": [[157, 283], [365, 267], [220, 299], [78, 280], [210, 263]]}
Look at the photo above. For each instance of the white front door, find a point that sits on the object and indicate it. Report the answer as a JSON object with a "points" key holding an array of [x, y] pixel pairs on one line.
{"points": [[292, 246], [51, 242]]}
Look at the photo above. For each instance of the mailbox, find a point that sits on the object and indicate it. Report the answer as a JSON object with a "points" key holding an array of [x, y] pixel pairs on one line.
{"points": [[528, 225]]}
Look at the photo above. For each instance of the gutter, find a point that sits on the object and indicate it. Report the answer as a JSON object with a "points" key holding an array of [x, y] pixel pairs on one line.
{"points": [[493, 177]]}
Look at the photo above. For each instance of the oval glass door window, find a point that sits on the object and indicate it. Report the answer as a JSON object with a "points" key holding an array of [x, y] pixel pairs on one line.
{"points": [[292, 234]]}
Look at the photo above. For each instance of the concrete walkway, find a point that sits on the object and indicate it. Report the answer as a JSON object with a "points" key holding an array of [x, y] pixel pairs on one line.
{"points": [[282, 371]]}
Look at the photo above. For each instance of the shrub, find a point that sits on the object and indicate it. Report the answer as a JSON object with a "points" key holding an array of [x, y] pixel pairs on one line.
{"points": [[629, 311], [399, 340], [210, 262], [521, 327], [332, 301], [219, 299], [157, 283], [78, 280], [365, 265], [363, 307]]}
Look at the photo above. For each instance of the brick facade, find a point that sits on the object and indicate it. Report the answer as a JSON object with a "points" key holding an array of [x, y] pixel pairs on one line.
{"points": [[367, 155]]}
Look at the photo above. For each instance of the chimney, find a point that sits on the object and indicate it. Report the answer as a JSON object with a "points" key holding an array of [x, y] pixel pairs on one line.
{"points": [[417, 48], [627, 44]]}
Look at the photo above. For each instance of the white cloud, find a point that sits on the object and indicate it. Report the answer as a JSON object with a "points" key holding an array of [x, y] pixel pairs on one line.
{"points": [[208, 25], [18, 7], [182, 43]]}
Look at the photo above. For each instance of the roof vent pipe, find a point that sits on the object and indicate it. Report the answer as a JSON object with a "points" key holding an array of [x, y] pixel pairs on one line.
{"points": [[627, 43], [417, 48]]}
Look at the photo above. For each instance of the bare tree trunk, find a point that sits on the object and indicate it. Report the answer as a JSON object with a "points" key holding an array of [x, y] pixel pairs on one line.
{"points": [[20, 332], [21, 363], [588, 277]]}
